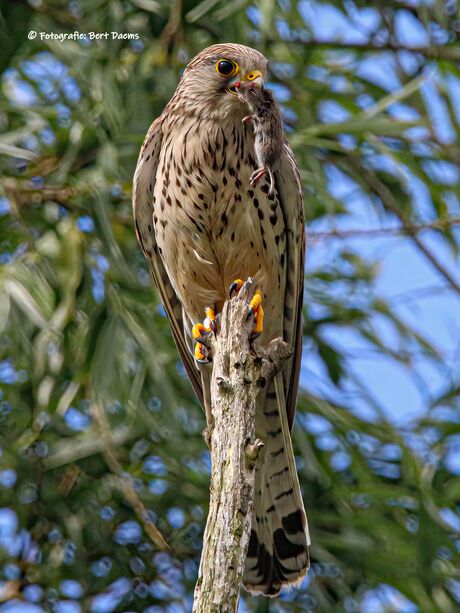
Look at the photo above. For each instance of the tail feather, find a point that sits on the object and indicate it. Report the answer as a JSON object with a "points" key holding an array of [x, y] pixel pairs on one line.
{"points": [[278, 547]]}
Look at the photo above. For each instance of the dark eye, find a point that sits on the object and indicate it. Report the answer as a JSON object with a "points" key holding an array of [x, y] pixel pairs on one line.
{"points": [[226, 68]]}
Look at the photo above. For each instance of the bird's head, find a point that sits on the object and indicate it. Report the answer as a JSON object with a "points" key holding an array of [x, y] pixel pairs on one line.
{"points": [[211, 79]]}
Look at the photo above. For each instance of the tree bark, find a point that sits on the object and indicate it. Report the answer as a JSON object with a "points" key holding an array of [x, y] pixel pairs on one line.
{"points": [[239, 372]]}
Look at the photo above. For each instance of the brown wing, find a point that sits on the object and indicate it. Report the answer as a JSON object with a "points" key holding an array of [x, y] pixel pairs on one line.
{"points": [[143, 188], [291, 200]]}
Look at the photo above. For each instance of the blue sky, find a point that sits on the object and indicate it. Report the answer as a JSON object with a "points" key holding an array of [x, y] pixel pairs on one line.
{"points": [[405, 274]]}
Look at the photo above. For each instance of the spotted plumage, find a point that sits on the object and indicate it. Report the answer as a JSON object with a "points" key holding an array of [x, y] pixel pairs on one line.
{"points": [[201, 225]]}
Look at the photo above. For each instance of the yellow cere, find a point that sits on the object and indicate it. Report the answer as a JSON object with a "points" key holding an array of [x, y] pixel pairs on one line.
{"points": [[253, 75]]}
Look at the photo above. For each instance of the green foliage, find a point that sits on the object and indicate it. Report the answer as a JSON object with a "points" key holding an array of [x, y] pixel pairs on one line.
{"points": [[97, 419]]}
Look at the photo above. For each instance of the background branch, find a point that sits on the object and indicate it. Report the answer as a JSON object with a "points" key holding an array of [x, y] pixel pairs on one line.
{"points": [[124, 483], [446, 52], [391, 204], [437, 224]]}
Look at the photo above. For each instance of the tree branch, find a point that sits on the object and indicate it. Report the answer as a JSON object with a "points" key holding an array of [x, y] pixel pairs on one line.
{"points": [[436, 224], [238, 375], [449, 52], [24, 195], [124, 484], [391, 204]]}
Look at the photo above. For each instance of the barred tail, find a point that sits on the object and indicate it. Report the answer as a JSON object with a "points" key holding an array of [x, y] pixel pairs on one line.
{"points": [[278, 547]]}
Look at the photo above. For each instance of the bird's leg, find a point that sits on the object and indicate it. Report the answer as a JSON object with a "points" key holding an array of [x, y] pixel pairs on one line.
{"points": [[211, 321], [200, 334], [256, 311]]}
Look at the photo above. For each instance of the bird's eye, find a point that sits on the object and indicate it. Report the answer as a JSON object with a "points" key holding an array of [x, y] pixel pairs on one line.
{"points": [[227, 68]]}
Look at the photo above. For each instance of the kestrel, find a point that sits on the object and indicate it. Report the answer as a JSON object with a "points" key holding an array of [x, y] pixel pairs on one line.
{"points": [[201, 225]]}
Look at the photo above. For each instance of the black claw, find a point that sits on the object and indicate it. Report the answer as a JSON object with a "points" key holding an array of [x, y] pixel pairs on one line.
{"points": [[207, 358], [204, 361], [232, 289]]}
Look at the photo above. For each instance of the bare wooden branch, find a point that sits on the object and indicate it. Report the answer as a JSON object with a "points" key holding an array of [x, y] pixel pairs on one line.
{"points": [[239, 372], [24, 195], [449, 52], [124, 483], [392, 205], [436, 224]]}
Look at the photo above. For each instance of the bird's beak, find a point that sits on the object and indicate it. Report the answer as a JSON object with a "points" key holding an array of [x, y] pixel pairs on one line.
{"points": [[253, 76]]}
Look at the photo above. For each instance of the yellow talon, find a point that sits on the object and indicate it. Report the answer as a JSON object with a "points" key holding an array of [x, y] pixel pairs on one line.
{"points": [[210, 314], [256, 310], [199, 354], [198, 331], [259, 321], [256, 301], [235, 287], [210, 320]]}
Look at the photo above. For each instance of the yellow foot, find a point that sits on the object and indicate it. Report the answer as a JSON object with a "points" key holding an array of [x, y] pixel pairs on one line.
{"points": [[256, 311], [255, 303], [211, 320], [255, 307], [201, 353], [235, 287], [200, 334]]}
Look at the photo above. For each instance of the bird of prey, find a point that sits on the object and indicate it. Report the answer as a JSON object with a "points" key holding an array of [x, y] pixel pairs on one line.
{"points": [[202, 224]]}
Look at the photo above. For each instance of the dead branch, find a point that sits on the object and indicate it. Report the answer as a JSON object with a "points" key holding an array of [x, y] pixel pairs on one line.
{"points": [[436, 224], [449, 52], [123, 482], [239, 373]]}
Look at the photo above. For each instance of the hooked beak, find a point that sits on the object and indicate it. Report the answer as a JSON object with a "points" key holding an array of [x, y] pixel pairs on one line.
{"points": [[253, 76]]}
